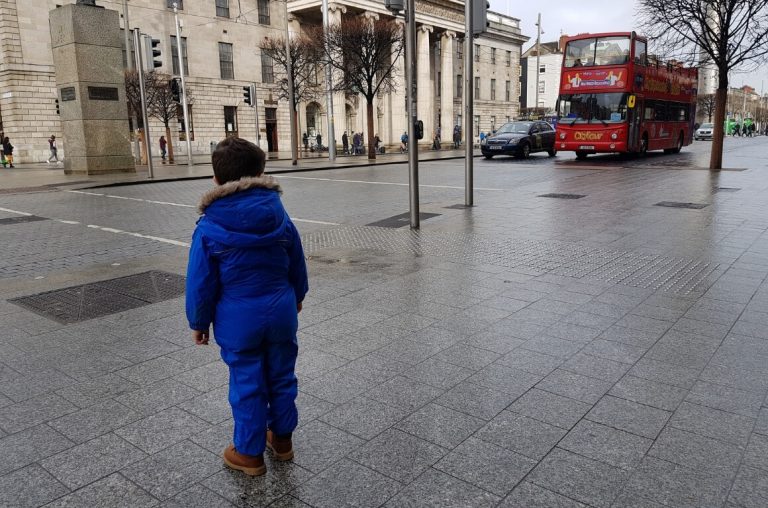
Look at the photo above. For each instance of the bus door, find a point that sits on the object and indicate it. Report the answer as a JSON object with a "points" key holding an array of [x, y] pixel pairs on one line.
{"points": [[634, 120]]}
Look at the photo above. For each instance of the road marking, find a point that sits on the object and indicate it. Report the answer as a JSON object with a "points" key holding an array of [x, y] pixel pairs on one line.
{"points": [[139, 235], [308, 221], [8, 210], [282, 177]]}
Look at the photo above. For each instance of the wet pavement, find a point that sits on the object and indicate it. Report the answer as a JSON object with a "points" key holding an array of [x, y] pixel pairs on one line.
{"points": [[591, 333]]}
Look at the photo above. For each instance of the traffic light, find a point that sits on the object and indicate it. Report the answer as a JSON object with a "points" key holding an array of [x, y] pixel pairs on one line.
{"points": [[152, 49], [419, 128], [58, 112], [249, 94], [479, 16], [175, 86]]}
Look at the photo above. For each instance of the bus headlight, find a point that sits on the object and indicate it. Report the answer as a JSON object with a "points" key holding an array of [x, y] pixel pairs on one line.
{"points": [[614, 136], [562, 135]]}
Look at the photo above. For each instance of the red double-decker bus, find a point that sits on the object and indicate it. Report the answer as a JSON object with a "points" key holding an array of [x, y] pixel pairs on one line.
{"points": [[615, 98]]}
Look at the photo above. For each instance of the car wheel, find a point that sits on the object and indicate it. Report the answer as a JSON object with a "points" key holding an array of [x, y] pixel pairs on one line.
{"points": [[525, 151], [552, 152], [488, 156], [581, 156]]}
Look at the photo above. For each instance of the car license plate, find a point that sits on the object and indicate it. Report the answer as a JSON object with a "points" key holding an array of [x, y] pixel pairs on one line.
{"points": [[587, 147], [495, 147]]}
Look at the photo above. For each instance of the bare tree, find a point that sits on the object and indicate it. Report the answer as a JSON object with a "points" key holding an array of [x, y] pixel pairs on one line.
{"points": [[133, 96], [164, 107], [306, 56], [706, 103], [362, 53], [728, 34]]}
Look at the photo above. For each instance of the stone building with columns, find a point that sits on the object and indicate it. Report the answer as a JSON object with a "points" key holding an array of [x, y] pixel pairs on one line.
{"points": [[440, 70], [220, 39]]}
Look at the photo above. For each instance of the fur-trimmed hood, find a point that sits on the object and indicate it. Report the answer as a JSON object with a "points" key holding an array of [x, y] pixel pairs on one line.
{"points": [[245, 213], [245, 183]]}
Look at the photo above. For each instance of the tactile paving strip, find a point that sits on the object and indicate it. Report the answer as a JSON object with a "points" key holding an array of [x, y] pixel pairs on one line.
{"points": [[673, 274], [89, 301]]}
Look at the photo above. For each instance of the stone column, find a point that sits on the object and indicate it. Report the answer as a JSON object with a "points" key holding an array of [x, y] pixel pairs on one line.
{"points": [[339, 98], [398, 114], [447, 86], [426, 89], [88, 58]]}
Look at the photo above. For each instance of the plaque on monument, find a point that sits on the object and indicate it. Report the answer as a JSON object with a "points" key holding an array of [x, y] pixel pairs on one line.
{"points": [[68, 94], [102, 93]]}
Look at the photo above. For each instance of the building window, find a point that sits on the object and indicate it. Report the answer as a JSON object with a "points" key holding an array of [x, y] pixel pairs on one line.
{"points": [[477, 125], [182, 127], [542, 69], [438, 50], [541, 87], [459, 85], [507, 90], [459, 50], [493, 89], [477, 88], [179, 4], [230, 121], [222, 8], [509, 59], [439, 83], [493, 55], [267, 69], [175, 55], [226, 62], [477, 52], [264, 12]]}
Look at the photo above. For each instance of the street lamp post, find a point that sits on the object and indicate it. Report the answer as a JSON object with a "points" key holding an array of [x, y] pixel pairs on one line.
{"points": [[291, 91], [328, 90], [184, 106], [538, 53], [413, 143], [469, 107]]}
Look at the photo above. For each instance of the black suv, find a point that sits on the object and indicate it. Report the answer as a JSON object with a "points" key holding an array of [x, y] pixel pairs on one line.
{"points": [[520, 139]]}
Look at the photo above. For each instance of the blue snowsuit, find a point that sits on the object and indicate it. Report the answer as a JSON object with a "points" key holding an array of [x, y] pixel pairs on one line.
{"points": [[246, 275]]}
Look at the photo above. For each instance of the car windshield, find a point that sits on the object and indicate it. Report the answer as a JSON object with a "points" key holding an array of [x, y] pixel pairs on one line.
{"points": [[597, 51], [592, 108], [514, 127], [706, 126]]}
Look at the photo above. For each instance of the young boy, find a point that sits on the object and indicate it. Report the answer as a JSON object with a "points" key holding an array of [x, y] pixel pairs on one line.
{"points": [[247, 276]]}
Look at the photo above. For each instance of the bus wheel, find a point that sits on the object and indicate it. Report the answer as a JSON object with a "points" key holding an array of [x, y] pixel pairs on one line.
{"points": [[678, 147], [581, 155], [644, 146]]}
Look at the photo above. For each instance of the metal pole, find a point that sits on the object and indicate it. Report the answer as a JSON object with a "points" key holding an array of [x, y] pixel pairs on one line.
{"points": [[328, 91], [291, 92], [184, 106], [256, 109], [129, 64], [538, 51], [469, 107], [411, 90], [145, 116]]}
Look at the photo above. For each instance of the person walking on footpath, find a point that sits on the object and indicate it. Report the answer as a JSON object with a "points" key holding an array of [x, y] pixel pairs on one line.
{"points": [[54, 150], [247, 276], [345, 143], [163, 146], [8, 151], [305, 140]]}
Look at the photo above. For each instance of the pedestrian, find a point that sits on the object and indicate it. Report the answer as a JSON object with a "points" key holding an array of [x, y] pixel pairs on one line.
{"points": [[319, 141], [247, 276], [436, 140], [305, 140], [376, 144], [355, 142], [2, 151], [737, 130], [404, 142], [54, 151], [456, 136], [163, 146], [344, 143], [8, 151], [482, 136]]}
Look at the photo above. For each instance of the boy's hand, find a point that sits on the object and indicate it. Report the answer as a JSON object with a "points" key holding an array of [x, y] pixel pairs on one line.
{"points": [[201, 337], [299, 306]]}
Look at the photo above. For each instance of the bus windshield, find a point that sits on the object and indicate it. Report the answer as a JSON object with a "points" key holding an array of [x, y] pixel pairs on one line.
{"points": [[597, 51], [592, 108]]}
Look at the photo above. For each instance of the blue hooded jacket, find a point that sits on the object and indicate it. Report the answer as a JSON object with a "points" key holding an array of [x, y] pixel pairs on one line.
{"points": [[246, 263]]}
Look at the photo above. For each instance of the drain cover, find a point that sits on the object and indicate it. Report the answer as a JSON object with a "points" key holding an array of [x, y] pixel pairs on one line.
{"points": [[20, 220], [401, 220], [89, 301], [675, 204], [562, 196]]}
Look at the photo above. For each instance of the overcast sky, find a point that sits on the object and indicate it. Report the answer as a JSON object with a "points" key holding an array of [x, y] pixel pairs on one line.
{"points": [[571, 18]]}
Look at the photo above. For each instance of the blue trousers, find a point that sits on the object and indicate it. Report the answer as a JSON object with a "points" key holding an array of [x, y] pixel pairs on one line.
{"points": [[262, 382]]}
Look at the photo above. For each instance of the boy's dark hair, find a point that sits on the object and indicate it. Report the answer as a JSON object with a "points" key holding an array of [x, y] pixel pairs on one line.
{"points": [[235, 158]]}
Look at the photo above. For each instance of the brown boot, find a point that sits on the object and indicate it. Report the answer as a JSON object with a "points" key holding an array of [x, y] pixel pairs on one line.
{"points": [[252, 465], [281, 446]]}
